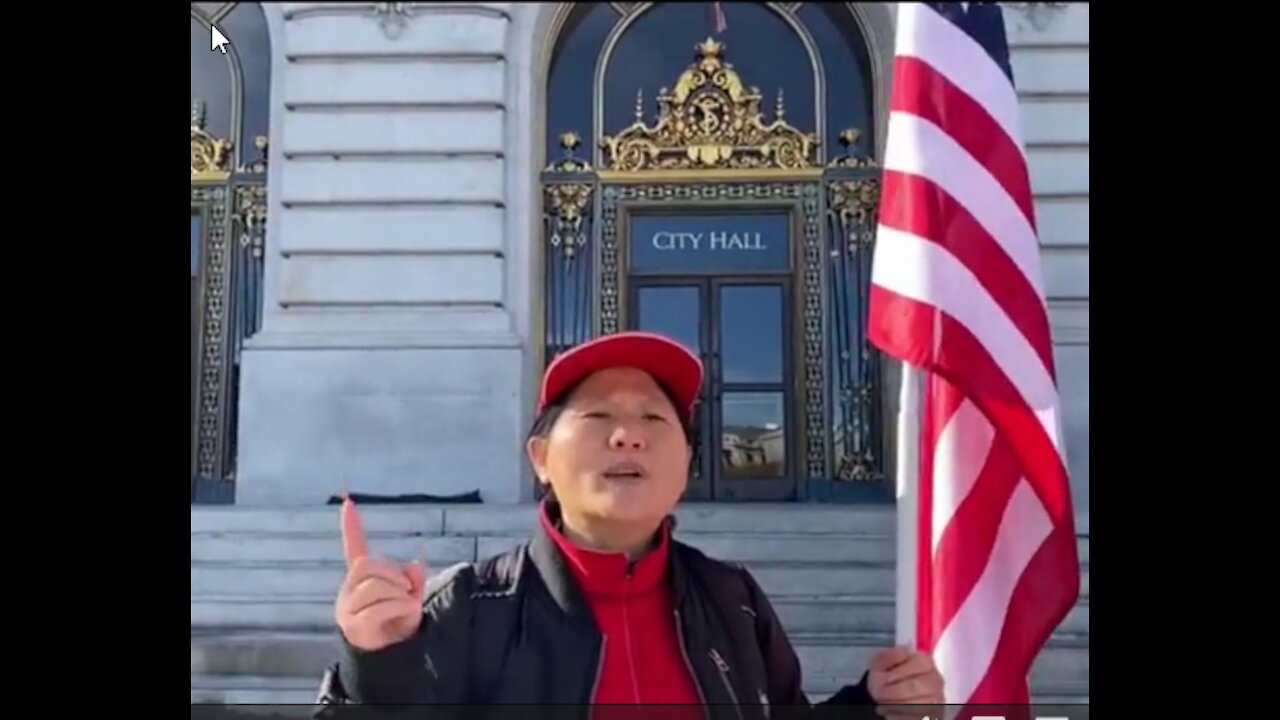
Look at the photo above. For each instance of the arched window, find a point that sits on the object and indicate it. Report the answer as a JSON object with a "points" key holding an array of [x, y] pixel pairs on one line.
{"points": [[229, 121], [712, 180]]}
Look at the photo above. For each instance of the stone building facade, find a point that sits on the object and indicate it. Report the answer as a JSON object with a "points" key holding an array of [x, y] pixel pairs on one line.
{"points": [[388, 241]]}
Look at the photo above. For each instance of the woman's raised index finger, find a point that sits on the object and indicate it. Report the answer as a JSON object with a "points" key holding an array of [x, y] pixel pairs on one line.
{"points": [[354, 545]]}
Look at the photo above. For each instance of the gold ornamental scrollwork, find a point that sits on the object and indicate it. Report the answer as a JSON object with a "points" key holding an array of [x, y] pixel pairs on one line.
{"points": [[567, 201], [210, 156], [251, 211], [710, 120], [855, 204], [259, 164], [570, 163], [849, 160]]}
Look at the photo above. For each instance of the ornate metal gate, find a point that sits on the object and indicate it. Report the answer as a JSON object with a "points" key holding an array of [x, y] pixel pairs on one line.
{"points": [[228, 211], [711, 144]]}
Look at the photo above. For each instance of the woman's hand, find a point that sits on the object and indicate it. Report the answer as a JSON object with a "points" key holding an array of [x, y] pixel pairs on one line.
{"points": [[380, 602], [901, 676]]}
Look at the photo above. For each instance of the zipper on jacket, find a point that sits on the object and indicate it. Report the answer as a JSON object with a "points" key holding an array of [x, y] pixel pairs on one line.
{"points": [[688, 665], [724, 676], [626, 629]]}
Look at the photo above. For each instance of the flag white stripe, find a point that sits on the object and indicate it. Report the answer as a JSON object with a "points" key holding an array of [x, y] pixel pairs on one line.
{"points": [[920, 270], [1051, 420], [968, 644], [959, 457], [959, 58], [916, 146]]}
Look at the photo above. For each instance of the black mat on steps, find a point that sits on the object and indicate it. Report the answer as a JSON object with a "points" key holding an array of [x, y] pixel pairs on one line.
{"points": [[417, 499]]}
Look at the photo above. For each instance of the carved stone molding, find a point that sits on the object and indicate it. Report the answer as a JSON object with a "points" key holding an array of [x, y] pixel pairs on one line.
{"points": [[1039, 14], [393, 17]]}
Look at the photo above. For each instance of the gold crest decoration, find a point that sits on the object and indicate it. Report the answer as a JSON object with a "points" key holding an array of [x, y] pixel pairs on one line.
{"points": [[210, 156], [710, 120]]}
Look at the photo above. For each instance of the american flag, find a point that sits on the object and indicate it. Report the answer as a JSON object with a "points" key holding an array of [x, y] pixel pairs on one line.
{"points": [[957, 295]]}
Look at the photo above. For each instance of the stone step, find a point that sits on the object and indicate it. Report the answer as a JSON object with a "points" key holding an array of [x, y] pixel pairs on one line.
{"points": [[827, 659], [438, 551], [833, 655], [871, 613], [789, 579], [282, 696], [778, 580], [1044, 695], [311, 535], [294, 697], [764, 518], [1049, 698], [765, 532], [446, 550]]}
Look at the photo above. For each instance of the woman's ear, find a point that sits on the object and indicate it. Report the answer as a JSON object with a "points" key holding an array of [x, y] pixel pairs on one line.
{"points": [[537, 450]]}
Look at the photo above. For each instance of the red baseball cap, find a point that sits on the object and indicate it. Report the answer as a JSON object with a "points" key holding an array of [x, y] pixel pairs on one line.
{"points": [[669, 362]]}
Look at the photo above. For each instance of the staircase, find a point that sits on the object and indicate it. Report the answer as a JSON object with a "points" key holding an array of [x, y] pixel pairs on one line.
{"points": [[263, 583]]}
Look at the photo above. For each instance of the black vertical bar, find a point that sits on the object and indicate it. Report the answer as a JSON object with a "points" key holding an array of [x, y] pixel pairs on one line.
{"points": [[870, 377], [795, 451], [253, 262], [708, 314], [241, 289], [844, 347], [551, 313], [840, 311], [588, 269], [581, 286]]}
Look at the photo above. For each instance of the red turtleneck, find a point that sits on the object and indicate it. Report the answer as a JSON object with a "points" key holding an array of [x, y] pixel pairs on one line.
{"points": [[632, 604]]}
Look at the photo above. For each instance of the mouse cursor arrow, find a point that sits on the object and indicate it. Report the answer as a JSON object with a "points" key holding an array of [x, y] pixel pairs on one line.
{"points": [[220, 41]]}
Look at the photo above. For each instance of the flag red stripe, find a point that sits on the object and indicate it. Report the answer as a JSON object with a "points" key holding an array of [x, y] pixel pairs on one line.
{"points": [[922, 91], [906, 329], [917, 205], [934, 414], [967, 541], [1042, 596]]}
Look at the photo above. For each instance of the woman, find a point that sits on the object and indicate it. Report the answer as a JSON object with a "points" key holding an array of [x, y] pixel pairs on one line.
{"points": [[602, 605]]}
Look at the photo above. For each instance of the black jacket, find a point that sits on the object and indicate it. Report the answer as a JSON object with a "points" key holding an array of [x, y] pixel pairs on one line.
{"points": [[514, 629]]}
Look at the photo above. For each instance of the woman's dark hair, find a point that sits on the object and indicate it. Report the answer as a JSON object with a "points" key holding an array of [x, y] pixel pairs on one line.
{"points": [[546, 420]]}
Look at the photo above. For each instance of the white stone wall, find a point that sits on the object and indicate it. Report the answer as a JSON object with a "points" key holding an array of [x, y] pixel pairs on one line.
{"points": [[1050, 53], [396, 352], [390, 360]]}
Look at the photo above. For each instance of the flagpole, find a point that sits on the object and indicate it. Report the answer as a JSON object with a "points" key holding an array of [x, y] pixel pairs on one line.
{"points": [[908, 502]]}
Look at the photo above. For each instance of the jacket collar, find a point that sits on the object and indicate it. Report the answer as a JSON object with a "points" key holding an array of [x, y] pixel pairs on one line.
{"points": [[568, 571], [610, 574]]}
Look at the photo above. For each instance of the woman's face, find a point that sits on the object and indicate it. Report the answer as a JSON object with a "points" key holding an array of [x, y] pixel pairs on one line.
{"points": [[617, 452]]}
